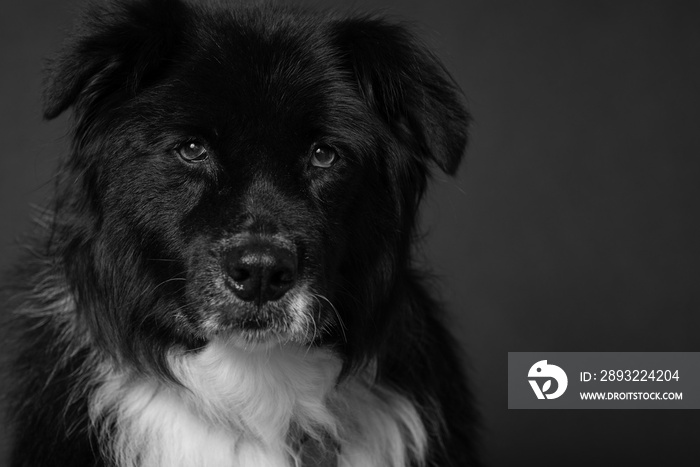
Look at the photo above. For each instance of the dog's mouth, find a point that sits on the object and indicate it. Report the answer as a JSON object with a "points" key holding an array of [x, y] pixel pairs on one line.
{"points": [[255, 289], [292, 318], [256, 324], [250, 329], [257, 330]]}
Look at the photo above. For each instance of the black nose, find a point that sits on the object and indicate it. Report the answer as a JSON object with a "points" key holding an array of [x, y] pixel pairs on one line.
{"points": [[261, 270]]}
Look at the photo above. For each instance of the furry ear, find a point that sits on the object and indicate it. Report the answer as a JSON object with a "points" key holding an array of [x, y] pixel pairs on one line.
{"points": [[409, 87], [116, 51]]}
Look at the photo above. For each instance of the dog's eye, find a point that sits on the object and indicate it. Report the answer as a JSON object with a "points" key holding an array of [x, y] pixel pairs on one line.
{"points": [[192, 151], [323, 156]]}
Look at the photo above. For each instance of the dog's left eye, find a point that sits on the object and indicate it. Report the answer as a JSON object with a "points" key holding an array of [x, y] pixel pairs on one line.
{"points": [[192, 151], [323, 156]]}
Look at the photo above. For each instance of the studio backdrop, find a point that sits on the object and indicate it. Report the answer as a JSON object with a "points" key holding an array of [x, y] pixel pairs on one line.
{"points": [[572, 226]]}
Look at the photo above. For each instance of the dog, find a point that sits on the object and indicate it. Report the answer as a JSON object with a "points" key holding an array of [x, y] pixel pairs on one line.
{"points": [[225, 276]]}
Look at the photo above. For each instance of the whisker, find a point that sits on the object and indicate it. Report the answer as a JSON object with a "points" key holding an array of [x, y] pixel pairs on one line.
{"points": [[347, 293], [313, 337], [154, 288], [337, 314]]}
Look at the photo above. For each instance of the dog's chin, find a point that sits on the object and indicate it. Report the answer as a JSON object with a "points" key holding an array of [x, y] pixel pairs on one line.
{"points": [[254, 336], [254, 341]]}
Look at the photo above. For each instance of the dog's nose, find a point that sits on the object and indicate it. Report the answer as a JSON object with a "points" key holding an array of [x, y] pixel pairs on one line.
{"points": [[260, 270]]}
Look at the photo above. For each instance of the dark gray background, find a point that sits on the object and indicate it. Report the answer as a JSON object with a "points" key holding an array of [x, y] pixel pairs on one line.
{"points": [[571, 226]]}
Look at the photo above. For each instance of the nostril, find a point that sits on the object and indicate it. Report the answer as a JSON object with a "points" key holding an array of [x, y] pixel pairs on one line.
{"points": [[239, 274], [282, 277]]}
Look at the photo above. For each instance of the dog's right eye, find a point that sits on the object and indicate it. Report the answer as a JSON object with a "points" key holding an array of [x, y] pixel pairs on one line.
{"points": [[323, 156], [192, 151]]}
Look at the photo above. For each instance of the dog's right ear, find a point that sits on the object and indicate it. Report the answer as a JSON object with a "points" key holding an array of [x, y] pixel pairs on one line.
{"points": [[115, 51], [407, 86]]}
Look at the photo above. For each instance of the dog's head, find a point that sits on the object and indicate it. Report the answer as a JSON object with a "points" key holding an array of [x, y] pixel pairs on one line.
{"points": [[253, 173]]}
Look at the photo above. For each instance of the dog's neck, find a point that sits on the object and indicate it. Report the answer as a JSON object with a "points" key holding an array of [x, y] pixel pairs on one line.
{"points": [[277, 407]]}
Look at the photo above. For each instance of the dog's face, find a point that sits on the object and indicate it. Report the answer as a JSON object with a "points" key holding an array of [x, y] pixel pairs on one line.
{"points": [[245, 179], [253, 174]]}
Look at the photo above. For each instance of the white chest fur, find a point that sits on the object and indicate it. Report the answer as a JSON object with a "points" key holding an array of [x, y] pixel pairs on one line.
{"points": [[249, 409]]}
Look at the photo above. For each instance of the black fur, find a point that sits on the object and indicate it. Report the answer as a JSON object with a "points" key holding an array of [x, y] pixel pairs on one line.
{"points": [[137, 234]]}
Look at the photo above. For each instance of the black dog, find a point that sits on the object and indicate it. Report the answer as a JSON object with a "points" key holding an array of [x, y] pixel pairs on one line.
{"points": [[226, 279]]}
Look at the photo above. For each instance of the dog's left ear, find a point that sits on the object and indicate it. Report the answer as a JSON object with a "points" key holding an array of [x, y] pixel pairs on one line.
{"points": [[117, 48], [408, 86]]}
